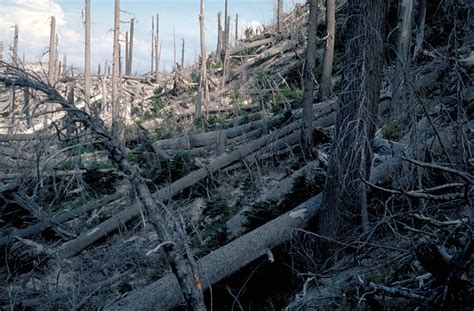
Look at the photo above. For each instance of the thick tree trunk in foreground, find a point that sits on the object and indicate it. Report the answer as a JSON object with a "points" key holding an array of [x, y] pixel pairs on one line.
{"points": [[325, 85], [309, 74], [280, 16], [344, 197], [219, 33], [130, 48], [164, 294], [87, 54]]}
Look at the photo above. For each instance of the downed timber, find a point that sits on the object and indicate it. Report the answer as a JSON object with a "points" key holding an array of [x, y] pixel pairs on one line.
{"points": [[165, 294], [235, 224], [75, 246], [246, 46], [40, 226], [207, 138], [22, 137]]}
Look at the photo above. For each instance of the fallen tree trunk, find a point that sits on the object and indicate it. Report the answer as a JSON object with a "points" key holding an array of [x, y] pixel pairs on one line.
{"points": [[164, 294], [235, 225], [40, 226], [246, 46], [21, 137]]}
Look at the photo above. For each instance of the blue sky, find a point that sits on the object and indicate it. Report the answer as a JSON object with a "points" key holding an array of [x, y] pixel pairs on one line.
{"points": [[33, 19]]}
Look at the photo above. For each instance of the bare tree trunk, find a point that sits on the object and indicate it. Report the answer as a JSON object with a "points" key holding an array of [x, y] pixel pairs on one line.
{"points": [[130, 47], [127, 51], [236, 28], [420, 28], [405, 18], [182, 54], [52, 49], [26, 107], [344, 196], [157, 51], [87, 54], [280, 16], [309, 74], [56, 57], [152, 45], [219, 33], [202, 101], [325, 85], [159, 57], [15, 46], [64, 65], [226, 27], [174, 48], [227, 34], [117, 126]]}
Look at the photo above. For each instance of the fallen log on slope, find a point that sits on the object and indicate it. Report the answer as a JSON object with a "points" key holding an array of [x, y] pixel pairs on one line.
{"points": [[165, 294], [235, 225], [40, 226], [75, 246]]}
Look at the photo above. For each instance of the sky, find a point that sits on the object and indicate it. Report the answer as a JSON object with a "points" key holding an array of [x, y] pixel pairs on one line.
{"points": [[33, 19]]}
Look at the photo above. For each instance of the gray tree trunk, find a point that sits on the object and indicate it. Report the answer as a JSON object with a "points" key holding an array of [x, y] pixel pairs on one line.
{"points": [[236, 28], [401, 74], [130, 47], [280, 16], [157, 50], [420, 28], [325, 85], [52, 49], [226, 27], [182, 53], [117, 126], [127, 51], [203, 83], [15, 46], [152, 45], [219, 33], [344, 195], [87, 54], [309, 74]]}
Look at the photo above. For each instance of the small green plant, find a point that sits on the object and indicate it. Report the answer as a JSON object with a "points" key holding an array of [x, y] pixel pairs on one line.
{"points": [[394, 130]]}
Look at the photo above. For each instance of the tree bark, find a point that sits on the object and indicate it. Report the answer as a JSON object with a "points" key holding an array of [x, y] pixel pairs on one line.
{"points": [[236, 28], [182, 53], [325, 85], [344, 194], [87, 54], [226, 27], [152, 59], [309, 74]]}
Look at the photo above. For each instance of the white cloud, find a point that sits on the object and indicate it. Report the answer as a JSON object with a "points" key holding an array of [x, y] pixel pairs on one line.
{"points": [[33, 18]]}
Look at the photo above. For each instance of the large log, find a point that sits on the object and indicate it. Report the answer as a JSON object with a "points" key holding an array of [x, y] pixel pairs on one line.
{"points": [[165, 294]]}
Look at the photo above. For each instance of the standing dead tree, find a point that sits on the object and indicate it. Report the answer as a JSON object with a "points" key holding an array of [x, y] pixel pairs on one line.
{"points": [[152, 59], [87, 53], [128, 69], [279, 18], [219, 33], [182, 53], [326, 73], [157, 50], [309, 74], [52, 49], [117, 126], [175, 250], [345, 197], [15, 45], [203, 92]]}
